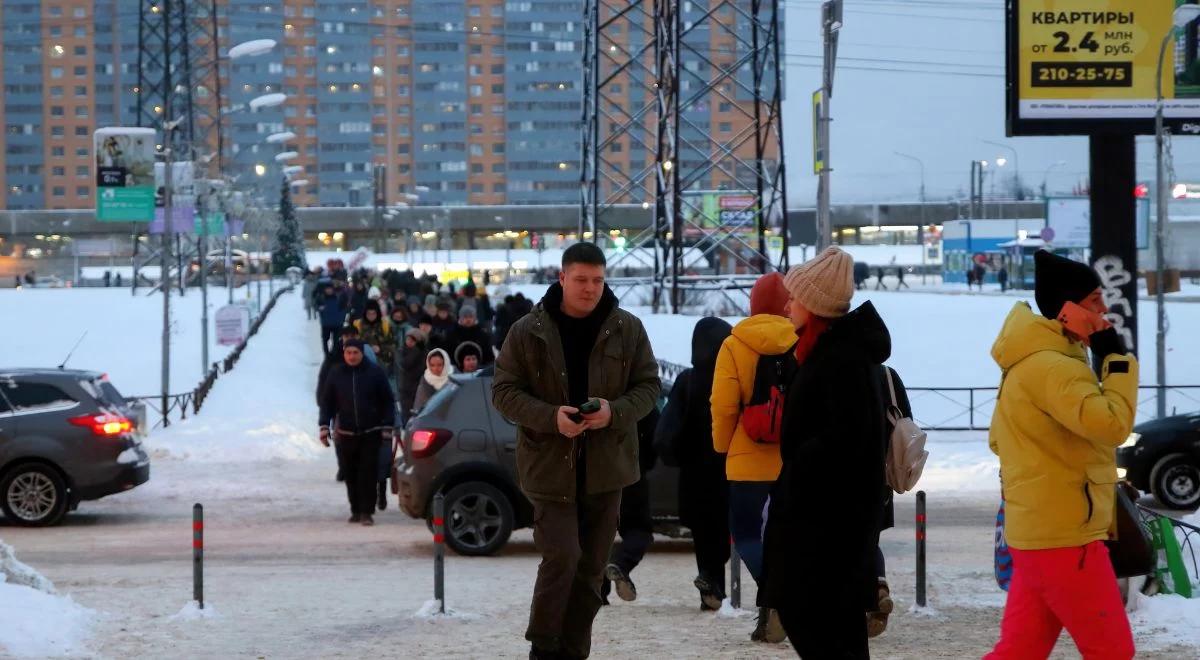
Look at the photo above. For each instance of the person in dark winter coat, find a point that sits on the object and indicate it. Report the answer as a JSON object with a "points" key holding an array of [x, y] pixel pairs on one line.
{"points": [[832, 445], [444, 324], [358, 397], [332, 309], [358, 299], [472, 298], [636, 526], [467, 357], [469, 330], [684, 438], [411, 365], [877, 617]]}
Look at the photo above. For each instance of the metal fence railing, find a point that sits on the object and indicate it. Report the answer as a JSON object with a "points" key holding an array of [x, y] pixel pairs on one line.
{"points": [[178, 406], [1187, 534], [971, 408]]}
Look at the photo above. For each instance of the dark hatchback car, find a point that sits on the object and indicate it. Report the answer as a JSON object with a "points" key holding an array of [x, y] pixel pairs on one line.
{"points": [[1163, 457], [462, 446], [65, 436]]}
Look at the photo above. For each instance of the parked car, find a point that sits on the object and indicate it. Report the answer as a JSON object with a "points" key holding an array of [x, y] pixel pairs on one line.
{"points": [[462, 446], [1163, 457], [65, 436]]}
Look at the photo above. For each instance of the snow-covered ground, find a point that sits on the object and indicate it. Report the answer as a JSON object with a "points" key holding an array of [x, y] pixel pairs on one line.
{"points": [[124, 333], [286, 577]]}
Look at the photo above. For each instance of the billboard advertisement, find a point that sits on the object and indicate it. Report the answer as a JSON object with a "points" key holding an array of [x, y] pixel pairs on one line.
{"points": [[1077, 67], [124, 173], [1069, 221]]}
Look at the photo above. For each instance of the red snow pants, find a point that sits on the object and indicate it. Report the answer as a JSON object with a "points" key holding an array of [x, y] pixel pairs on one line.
{"points": [[1072, 588]]}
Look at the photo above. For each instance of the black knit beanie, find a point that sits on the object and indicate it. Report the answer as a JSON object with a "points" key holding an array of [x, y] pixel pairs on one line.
{"points": [[1058, 280]]}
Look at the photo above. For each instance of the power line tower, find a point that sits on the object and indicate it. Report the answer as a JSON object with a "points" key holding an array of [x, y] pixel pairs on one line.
{"points": [[683, 113], [179, 75]]}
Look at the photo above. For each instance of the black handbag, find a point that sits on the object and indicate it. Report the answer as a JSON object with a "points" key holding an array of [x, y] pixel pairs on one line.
{"points": [[1131, 552]]}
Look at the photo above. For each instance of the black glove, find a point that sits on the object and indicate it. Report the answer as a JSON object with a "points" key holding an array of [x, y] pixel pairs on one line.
{"points": [[1107, 342]]}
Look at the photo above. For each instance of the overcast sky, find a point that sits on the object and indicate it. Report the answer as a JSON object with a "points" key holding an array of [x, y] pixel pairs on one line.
{"points": [[924, 77]]}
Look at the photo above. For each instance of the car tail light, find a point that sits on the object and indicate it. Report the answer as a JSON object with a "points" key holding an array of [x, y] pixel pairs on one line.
{"points": [[423, 443], [104, 425]]}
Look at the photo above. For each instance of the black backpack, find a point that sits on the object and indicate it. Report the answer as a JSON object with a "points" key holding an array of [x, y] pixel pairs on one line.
{"points": [[762, 416]]}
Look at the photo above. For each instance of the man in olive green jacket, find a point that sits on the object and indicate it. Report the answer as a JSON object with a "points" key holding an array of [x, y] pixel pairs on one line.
{"points": [[575, 346]]}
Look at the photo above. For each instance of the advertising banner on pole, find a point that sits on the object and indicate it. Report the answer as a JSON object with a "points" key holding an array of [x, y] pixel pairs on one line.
{"points": [[818, 147], [124, 173], [1089, 66]]}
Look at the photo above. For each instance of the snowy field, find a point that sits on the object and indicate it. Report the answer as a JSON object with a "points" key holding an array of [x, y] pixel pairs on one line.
{"points": [[286, 577], [124, 333]]}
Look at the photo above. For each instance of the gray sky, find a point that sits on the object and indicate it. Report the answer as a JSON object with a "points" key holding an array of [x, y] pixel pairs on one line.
{"points": [[924, 77]]}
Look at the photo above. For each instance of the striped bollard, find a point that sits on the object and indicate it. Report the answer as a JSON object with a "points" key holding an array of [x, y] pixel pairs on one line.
{"points": [[439, 551], [198, 554], [920, 548]]}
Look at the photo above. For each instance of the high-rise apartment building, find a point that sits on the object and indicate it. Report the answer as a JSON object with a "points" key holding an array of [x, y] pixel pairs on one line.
{"points": [[462, 101]]}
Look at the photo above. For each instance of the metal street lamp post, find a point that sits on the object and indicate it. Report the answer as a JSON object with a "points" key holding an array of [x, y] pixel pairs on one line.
{"points": [[1020, 193], [1183, 15], [1046, 175]]}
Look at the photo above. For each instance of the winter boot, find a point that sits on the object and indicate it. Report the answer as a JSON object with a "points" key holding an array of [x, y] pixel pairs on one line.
{"points": [[541, 654], [775, 633], [355, 518], [382, 503], [367, 520], [769, 627], [877, 621], [621, 582], [710, 596]]}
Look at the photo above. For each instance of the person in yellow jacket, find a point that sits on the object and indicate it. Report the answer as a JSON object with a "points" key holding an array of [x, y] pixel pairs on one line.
{"points": [[751, 466], [1056, 428]]}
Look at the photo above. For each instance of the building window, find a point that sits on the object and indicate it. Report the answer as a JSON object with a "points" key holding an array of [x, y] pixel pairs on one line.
{"points": [[81, 71], [58, 191], [81, 191], [725, 127], [58, 151], [81, 152], [476, 90], [81, 51], [81, 131], [80, 90], [56, 111], [56, 72], [57, 131], [81, 111], [81, 170], [58, 170]]}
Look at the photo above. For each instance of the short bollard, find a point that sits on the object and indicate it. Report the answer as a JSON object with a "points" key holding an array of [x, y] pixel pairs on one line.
{"points": [[920, 548], [735, 577], [198, 555], [439, 551]]}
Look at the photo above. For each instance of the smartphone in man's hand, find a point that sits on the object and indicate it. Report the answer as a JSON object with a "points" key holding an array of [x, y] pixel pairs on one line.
{"points": [[589, 407]]}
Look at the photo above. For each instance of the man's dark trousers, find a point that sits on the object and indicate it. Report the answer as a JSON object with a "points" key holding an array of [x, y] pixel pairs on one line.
{"points": [[358, 463], [636, 526], [574, 540], [329, 337]]}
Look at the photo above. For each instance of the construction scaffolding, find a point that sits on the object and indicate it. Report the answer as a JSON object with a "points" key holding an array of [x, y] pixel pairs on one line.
{"points": [[683, 112]]}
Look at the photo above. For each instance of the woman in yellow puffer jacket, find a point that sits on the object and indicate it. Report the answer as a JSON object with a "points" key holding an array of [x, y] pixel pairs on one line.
{"points": [[1056, 429], [751, 467]]}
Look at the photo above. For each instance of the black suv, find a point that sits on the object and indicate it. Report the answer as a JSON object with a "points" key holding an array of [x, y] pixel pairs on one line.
{"points": [[65, 436], [462, 446], [1163, 457]]}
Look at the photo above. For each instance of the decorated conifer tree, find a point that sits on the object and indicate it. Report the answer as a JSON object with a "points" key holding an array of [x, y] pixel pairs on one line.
{"points": [[289, 242]]}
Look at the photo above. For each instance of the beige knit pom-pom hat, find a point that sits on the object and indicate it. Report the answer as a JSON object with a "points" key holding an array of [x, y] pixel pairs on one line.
{"points": [[823, 284]]}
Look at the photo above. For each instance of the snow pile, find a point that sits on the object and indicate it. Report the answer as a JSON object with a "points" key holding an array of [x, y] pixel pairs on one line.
{"points": [[263, 410], [1171, 619], [728, 611], [925, 612], [34, 622], [430, 612], [193, 612], [16, 573]]}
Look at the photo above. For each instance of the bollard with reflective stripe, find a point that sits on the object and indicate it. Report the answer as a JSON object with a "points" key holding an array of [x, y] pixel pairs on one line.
{"points": [[198, 554], [439, 551], [735, 576], [920, 548]]}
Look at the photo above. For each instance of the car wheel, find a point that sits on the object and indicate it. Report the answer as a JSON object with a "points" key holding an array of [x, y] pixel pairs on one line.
{"points": [[33, 495], [479, 519], [1175, 481]]}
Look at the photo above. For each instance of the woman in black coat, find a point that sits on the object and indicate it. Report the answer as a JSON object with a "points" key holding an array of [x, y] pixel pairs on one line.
{"points": [[684, 438], [411, 363], [827, 505]]}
